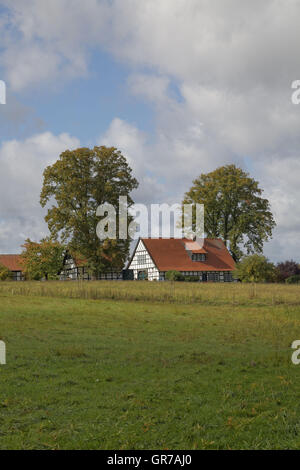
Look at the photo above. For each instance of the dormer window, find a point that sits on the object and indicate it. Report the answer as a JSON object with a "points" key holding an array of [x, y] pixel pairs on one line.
{"points": [[198, 257]]}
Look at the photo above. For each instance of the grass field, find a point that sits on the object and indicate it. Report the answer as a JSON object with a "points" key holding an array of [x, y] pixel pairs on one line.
{"points": [[149, 366]]}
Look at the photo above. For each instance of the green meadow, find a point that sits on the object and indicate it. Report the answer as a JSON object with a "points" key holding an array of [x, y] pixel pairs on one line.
{"points": [[127, 365]]}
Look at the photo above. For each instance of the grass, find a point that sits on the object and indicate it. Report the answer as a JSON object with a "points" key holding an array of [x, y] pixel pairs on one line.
{"points": [[87, 372], [160, 292]]}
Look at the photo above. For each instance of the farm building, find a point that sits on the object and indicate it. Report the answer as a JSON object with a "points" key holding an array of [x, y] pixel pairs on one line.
{"points": [[75, 267], [153, 257], [13, 264]]}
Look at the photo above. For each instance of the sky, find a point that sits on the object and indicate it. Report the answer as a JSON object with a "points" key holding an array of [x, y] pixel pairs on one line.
{"points": [[179, 86]]}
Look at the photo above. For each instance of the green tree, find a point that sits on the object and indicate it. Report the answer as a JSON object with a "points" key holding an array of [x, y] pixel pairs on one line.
{"points": [[43, 259], [79, 182], [5, 274], [234, 209], [295, 279], [174, 276], [255, 268]]}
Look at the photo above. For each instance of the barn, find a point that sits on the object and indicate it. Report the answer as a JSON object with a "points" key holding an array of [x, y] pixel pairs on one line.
{"points": [[13, 264], [75, 268], [153, 257]]}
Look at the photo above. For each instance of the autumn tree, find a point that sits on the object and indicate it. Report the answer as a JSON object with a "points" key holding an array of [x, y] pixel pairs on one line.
{"points": [[255, 268], [79, 182], [43, 259], [235, 210]]}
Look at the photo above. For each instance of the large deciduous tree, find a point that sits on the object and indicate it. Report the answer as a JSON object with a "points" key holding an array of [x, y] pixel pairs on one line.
{"points": [[42, 259], [79, 182], [234, 209]]}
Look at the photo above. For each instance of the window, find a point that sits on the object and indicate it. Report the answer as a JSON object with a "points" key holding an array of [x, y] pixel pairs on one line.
{"points": [[17, 276], [213, 277], [227, 276], [198, 257], [141, 259]]}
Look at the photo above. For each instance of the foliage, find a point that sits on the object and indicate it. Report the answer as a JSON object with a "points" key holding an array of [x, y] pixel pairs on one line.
{"points": [[174, 276], [293, 279], [43, 259], [79, 182], [191, 278], [5, 273], [255, 268], [234, 209], [287, 269]]}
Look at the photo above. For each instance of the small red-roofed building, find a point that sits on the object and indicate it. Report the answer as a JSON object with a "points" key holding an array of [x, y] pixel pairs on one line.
{"points": [[13, 264]]}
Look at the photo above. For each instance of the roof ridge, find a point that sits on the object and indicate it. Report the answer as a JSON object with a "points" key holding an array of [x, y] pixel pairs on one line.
{"points": [[10, 254]]}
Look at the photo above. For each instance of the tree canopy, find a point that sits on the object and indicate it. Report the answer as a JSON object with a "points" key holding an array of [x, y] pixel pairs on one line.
{"points": [[76, 185], [43, 259], [255, 268], [234, 209]]}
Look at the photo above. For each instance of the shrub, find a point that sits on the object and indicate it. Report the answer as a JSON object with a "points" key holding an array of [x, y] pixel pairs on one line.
{"points": [[191, 278], [293, 279], [174, 276], [286, 269], [255, 268], [5, 274]]}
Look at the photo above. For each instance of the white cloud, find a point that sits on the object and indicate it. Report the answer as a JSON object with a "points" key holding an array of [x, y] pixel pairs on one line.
{"points": [[22, 164], [229, 45], [48, 41], [152, 87], [134, 147], [232, 44], [281, 182], [129, 139]]}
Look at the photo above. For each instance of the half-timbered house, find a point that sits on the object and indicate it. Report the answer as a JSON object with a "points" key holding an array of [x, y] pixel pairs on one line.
{"points": [[154, 257], [75, 267]]}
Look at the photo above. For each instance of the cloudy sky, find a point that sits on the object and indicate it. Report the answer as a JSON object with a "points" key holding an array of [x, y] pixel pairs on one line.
{"points": [[180, 86]]}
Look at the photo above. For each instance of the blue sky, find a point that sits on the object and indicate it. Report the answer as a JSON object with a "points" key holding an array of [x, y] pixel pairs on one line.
{"points": [[85, 107], [179, 87]]}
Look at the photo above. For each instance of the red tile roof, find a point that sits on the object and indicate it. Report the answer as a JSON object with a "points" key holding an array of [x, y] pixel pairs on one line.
{"points": [[11, 262], [170, 254]]}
